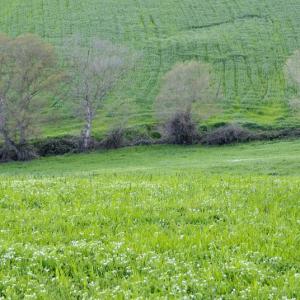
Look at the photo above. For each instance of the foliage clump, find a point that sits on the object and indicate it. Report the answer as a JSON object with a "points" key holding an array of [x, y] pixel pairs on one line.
{"points": [[185, 84], [58, 146], [184, 87], [228, 134], [114, 139], [181, 129]]}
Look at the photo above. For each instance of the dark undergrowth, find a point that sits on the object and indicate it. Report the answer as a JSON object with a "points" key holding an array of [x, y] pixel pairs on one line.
{"points": [[119, 137]]}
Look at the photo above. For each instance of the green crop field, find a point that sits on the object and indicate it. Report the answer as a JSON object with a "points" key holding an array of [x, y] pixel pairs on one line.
{"points": [[246, 42], [160, 222]]}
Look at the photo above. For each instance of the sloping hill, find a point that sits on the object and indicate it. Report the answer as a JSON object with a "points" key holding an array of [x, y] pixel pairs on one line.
{"points": [[247, 42]]}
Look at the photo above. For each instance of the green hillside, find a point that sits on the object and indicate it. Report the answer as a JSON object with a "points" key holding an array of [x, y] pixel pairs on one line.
{"points": [[246, 42]]}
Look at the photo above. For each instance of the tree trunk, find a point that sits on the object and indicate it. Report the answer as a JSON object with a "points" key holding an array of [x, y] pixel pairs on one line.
{"points": [[10, 145], [87, 132], [22, 138]]}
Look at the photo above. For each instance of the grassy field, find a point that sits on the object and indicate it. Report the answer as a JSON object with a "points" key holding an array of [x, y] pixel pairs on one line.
{"points": [[273, 158], [153, 222], [161, 222], [247, 43]]}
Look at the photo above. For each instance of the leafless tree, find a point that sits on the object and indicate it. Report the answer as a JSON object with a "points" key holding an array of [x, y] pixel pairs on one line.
{"points": [[293, 67], [292, 70], [95, 68], [27, 70]]}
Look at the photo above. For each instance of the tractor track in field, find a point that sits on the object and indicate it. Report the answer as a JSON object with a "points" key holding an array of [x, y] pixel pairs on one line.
{"points": [[241, 18]]}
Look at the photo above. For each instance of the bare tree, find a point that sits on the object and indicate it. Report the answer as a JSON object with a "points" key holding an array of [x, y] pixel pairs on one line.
{"points": [[292, 70], [95, 69], [293, 67], [27, 70], [185, 86]]}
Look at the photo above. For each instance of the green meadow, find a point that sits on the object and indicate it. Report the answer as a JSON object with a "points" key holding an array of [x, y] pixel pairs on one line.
{"points": [[159, 222], [246, 42]]}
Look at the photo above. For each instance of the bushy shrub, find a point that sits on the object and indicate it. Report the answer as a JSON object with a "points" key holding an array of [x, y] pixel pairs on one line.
{"points": [[228, 134], [58, 146], [20, 153], [155, 135], [7, 155], [26, 152], [279, 134], [114, 139], [142, 141], [181, 129], [138, 136]]}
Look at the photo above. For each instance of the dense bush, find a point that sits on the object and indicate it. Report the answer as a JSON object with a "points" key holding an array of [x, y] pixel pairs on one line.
{"points": [[227, 135], [278, 134], [181, 129], [58, 146], [20, 153], [26, 152], [114, 139], [7, 155], [142, 141], [138, 136]]}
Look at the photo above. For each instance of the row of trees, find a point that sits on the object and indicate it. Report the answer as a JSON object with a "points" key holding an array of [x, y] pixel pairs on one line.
{"points": [[29, 71]]}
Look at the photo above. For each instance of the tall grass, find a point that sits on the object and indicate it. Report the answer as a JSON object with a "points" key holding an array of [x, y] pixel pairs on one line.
{"points": [[150, 236], [149, 223]]}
